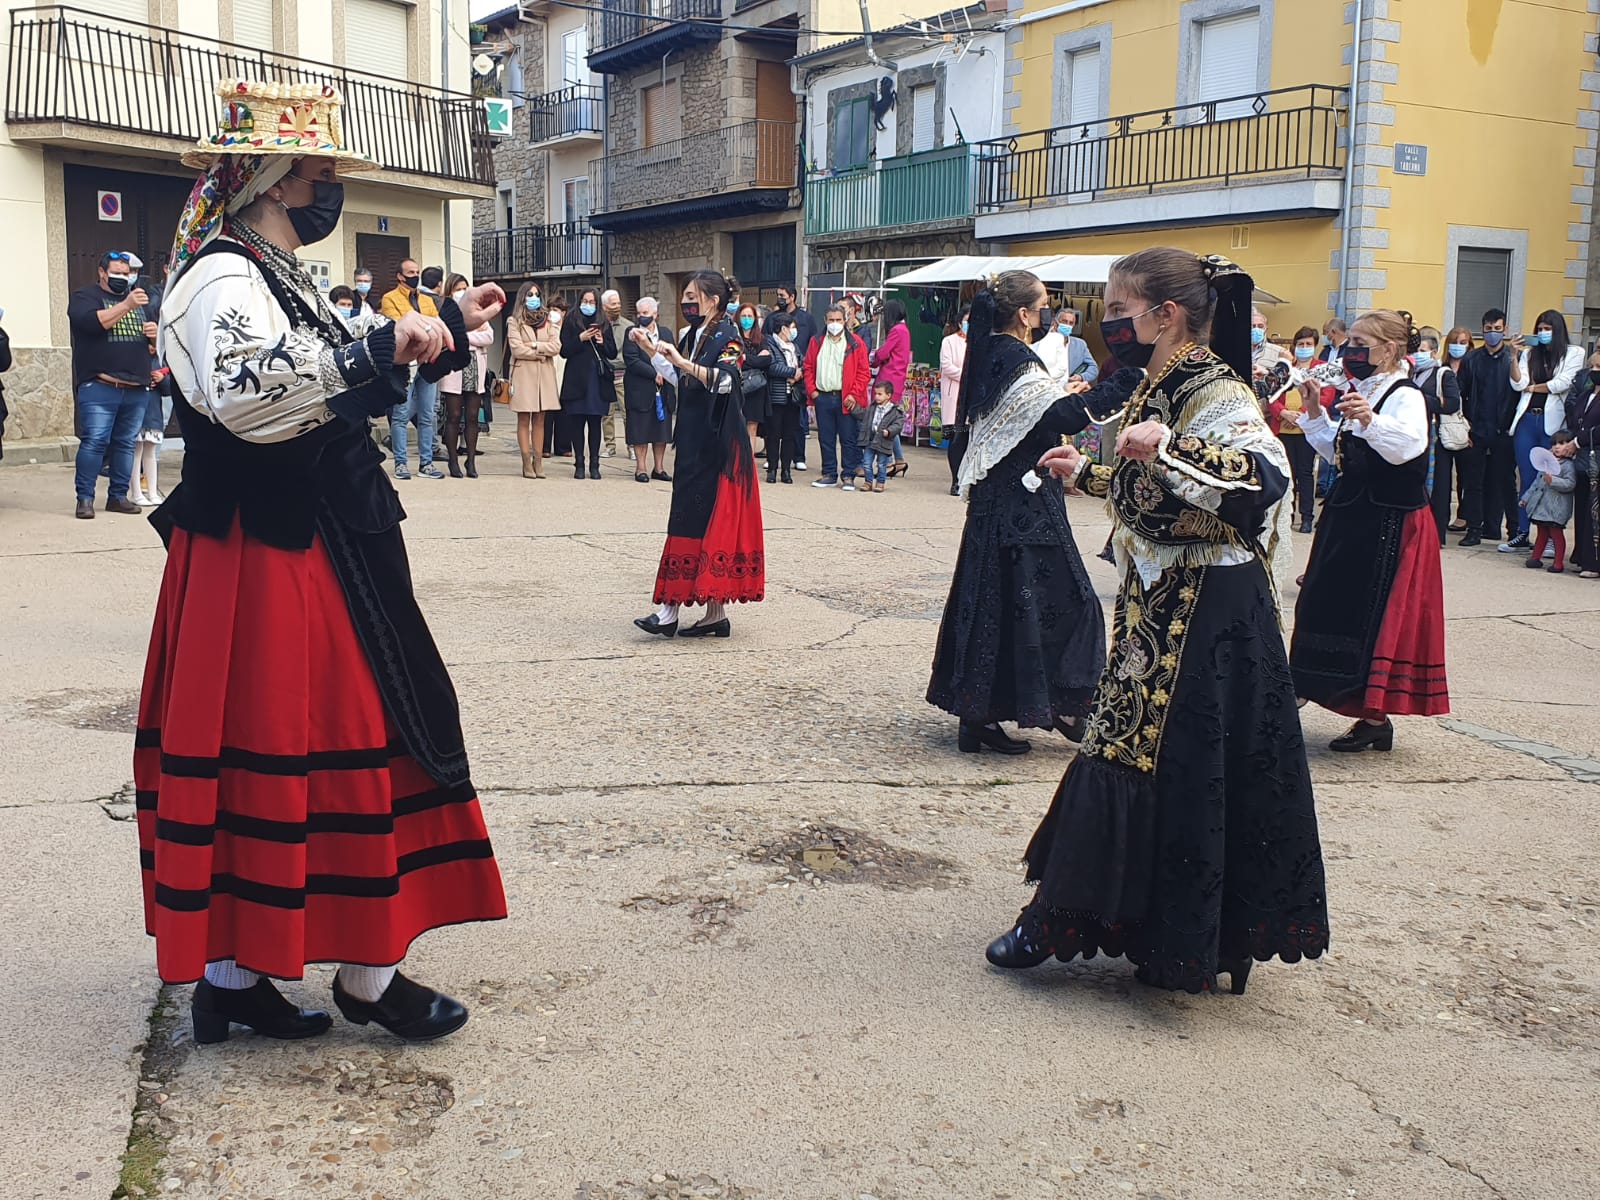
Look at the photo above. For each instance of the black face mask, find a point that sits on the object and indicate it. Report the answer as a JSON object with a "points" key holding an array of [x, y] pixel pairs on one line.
{"points": [[691, 315], [117, 285], [411, 281], [317, 220], [1124, 343], [1594, 379], [1357, 362]]}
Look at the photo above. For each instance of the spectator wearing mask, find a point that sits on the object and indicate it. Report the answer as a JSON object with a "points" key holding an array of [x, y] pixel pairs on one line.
{"points": [[1283, 416], [1064, 354], [1542, 374], [1441, 391], [533, 348], [786, 399], [754, 398], [855, 319], [837, 377], [113, 329], [952, 358], [805, 334], [611, 307], [893, 362], [362, 291], [420, 398], [1491, 402], [588, 387], [1583, 419], [1336, 337], [463, 390], [345, 302], [1264, 356], [1458, 470], [649, 397]]}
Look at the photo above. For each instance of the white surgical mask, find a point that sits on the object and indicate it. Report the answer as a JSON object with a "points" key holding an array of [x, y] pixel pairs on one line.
{"points": [[344, 310], [835, 328], [459, 295]]}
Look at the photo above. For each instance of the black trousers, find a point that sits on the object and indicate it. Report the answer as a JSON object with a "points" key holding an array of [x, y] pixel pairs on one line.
{"points": [[1303, 469], [576, 424], [954, 453], [1500, 500], [782, 432], [557, 434], [1467, 468]]}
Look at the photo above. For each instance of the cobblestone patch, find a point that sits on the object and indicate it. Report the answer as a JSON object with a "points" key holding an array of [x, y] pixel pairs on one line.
{"points": [[1581, 768]]}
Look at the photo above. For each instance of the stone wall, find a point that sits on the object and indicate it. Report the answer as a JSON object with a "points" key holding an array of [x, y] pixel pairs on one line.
{"points": [[39, 395], [829, 259], [516, 159]]}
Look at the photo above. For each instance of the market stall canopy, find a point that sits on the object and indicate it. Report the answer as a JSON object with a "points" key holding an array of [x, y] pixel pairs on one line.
{"points": [[1052, 268]]}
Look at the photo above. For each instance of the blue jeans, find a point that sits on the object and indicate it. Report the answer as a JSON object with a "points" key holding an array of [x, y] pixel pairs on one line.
{"points": [[1326, 474], [805, 428], [1528, 434], [108, 416], [421, 402], [877, 466], [839, 435]]}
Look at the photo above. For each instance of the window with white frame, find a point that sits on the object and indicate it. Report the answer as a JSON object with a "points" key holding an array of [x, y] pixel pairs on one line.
{"points": [[575, 56], [924, 134], [1483, 281], [505, 205], [575, 200], [1227, 55]]}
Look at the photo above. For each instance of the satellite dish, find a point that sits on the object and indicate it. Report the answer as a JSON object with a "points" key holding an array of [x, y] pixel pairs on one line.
{"points": [[482, 65]]}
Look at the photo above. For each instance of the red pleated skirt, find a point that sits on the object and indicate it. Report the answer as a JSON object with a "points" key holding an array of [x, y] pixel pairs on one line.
{"points": [[1407, 676], [280, 823], [728, 563]]}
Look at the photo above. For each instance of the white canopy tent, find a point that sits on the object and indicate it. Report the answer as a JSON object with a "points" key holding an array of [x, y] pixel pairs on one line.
{"points": [[1052, 268]]}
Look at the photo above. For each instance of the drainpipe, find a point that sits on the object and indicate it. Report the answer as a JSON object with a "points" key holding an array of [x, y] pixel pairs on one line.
{"points": [[1342, 308], [444, 84]]}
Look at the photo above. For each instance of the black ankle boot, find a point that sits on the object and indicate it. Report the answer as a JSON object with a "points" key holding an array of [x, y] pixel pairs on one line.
{"points": [[406, 1009], [1364, 735], [772, 474], [787, 475], [973, 738], [594, 468], [260, 1007]]}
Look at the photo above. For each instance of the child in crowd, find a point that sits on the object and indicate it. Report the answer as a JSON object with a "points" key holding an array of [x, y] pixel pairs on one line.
{"points": [[1549, 504], [878, 431]]}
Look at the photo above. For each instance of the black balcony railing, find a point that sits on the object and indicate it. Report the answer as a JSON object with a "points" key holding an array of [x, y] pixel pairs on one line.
{"points": [[77, 67], [1289, 132], [618, 22], [755, 154], [571, 112], [532, 250]]}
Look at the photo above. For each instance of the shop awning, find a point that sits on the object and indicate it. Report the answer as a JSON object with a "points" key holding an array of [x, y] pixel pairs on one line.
{"points": [[1052, 268]]}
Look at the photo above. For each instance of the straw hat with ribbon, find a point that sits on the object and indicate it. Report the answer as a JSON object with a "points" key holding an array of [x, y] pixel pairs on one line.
{"points": [[263, 128]]}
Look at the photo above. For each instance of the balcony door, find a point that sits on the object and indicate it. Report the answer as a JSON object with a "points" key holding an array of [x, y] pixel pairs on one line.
{"points": [[575, 58], [1078, 160], [775, 148]]}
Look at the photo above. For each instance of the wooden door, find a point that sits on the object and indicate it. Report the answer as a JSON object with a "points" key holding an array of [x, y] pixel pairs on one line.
{"points": [[382, 254], [150, 208]]}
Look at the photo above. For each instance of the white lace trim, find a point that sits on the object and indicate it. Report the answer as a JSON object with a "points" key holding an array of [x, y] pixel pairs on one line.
{"points": [[1001, 430]]}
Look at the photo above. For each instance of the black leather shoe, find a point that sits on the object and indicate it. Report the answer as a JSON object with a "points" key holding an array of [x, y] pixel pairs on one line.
{"points": [[641, 477], [1364, 735], [1307, 527], [121, 504], [661, 476], [85, 510], [261, 1007], [1470, 540], [652, 624], [1010, 951], [716, 629], [407, 1009], [973, 738]]}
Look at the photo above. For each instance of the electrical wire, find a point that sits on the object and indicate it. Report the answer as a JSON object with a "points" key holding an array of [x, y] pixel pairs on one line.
{"points": [[583, 6]]}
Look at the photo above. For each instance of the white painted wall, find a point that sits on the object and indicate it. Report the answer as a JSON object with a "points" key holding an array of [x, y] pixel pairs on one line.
{"points": [[24, 239], [974, 92]]}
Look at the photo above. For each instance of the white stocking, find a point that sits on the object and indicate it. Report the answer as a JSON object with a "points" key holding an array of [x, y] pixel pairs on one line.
{"points": [[225, 973], [152, 451], [366, 983], [667, 614]]}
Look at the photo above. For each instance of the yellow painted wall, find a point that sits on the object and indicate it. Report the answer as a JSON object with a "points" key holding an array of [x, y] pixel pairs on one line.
{"points": [[1307, 41], [841, 19], [1287, 258], [1491, 87]]}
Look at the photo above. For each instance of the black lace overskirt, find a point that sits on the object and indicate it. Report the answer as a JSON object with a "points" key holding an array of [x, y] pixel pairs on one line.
{"points": [[1212, 854], [1023, 638]]}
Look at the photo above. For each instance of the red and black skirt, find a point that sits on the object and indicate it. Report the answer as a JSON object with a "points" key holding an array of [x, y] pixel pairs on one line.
{"points": [[281, 819]]}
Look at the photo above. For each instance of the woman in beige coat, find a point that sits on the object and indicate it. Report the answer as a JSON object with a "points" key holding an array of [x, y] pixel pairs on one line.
{"points": [[535, 345]]}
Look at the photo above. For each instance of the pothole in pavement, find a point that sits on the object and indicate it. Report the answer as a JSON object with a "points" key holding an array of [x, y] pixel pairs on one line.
{"points": [[836, 854], [86, 708]]}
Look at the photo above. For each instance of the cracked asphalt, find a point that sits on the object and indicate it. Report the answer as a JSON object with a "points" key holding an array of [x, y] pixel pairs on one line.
{"points": [[750, 884]]}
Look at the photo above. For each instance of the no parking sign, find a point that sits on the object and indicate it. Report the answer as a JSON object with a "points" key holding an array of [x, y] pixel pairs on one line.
{"points": [[110, 206]]}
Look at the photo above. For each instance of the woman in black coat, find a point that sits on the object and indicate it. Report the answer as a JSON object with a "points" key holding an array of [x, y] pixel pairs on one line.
{"points": [[757, 362], [783, 421], [588, 390], [648, 400]]}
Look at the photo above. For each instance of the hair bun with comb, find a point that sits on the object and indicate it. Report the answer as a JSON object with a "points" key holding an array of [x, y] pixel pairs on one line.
{"points": [[1413, 334]]}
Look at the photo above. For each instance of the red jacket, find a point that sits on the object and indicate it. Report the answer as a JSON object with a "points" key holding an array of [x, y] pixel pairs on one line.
{"points": [[857, 374]]}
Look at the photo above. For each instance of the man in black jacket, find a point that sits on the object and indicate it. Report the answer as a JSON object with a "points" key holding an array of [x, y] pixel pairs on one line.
{"points": [[1489, 402]]}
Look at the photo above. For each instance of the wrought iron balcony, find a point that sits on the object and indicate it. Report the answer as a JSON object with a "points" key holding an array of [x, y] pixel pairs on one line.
{"points": [[1288, 133], [626, 33], [577, 111], [920, 190], [72, 69], [743, 168], [534, 250]]}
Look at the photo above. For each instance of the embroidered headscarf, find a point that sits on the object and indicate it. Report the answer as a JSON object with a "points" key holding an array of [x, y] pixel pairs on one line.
{"points": [[228, 185]]}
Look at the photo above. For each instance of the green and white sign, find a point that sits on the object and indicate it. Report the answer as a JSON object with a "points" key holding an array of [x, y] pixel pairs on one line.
{"points": [[499, 112]]}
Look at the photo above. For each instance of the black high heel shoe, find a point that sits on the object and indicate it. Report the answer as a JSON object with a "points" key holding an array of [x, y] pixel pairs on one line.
{"points": [[716, 629], [653, 625], [1238, 971], [1364, 735], [260, 1007], [973, 738], [1013, 951], [406, 1009]]}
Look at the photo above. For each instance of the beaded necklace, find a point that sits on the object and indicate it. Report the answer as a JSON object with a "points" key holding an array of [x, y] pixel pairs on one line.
{"points": [[1150, 381]]}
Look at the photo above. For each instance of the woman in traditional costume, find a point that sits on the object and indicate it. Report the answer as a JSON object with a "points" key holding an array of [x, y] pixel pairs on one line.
{"points": [[1369, 627], [1183, 834], [715, 553], [303, 790], [1023, 638]]}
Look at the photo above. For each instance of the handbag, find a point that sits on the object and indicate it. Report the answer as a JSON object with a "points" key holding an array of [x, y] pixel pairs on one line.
{"points": [[752, 379], [499, 389], [1455, 432]]}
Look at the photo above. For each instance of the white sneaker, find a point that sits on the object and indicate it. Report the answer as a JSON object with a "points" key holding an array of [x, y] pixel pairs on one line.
{"points": [[1550, 550], [1517, 545], [849, 485], [822, 482], [799, 466]]}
